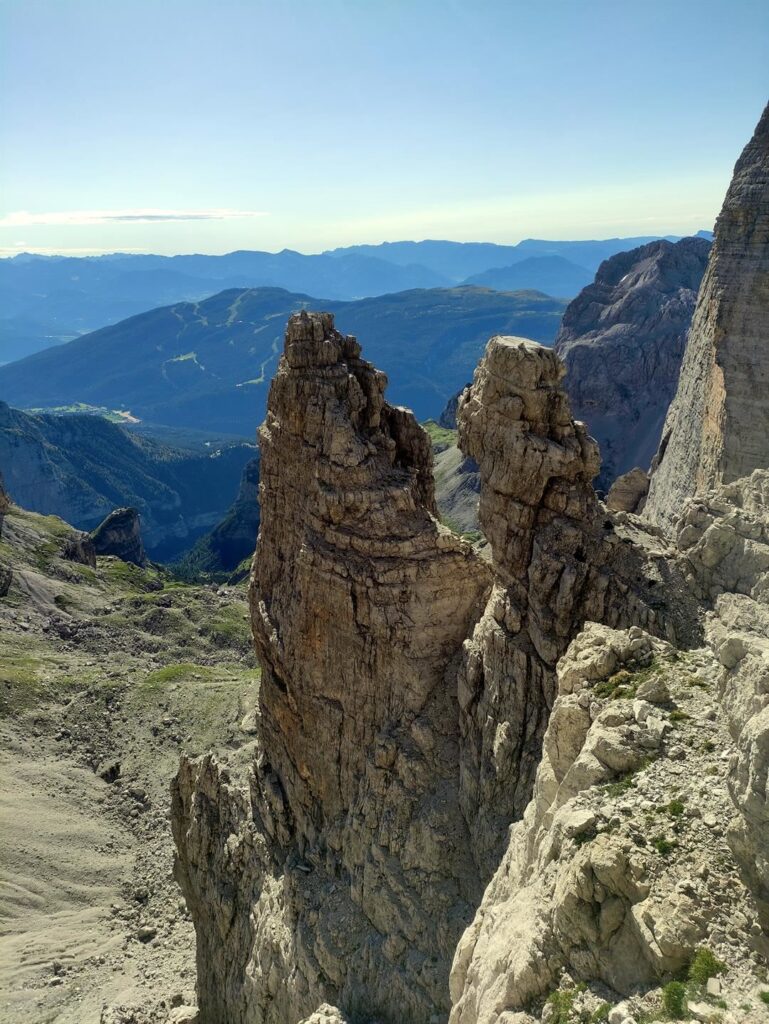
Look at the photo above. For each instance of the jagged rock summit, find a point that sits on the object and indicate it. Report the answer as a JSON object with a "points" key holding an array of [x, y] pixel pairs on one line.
{"points": [[622, 340], [717, 429]]}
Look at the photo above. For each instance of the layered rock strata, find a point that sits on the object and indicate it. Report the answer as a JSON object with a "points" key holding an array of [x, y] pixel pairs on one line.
{"points": [[349, 861], [559, 559], [622, 340], [717, 428], [393, 752]]}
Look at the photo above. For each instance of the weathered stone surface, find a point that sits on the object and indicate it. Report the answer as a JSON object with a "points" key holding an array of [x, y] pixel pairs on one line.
{"points": [[358, 620], [622, 340], [6, 573], [586, 886], [448, 418], [717, 429], [79, 547], [558, 561], [724, 539], [407, 686], [457, 488], [628, 492], [120, 535]]}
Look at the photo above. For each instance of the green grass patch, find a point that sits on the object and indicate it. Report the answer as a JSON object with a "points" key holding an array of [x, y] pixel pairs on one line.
{"points": [[600, 1014], [176, 673], [674, 1000], [128, 576], [663, 845], [440, 435], [704, 965], [562, 1002], [621, 685]]}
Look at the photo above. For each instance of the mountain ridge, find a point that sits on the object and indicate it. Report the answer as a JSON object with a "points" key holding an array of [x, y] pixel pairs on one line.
{"points": [[209, 363]]}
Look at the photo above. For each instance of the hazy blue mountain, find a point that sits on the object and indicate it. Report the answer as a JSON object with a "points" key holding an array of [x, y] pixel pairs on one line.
{"points": [[553, 275], [208, 365], [49, 300], [459, 260], [81, 467]]}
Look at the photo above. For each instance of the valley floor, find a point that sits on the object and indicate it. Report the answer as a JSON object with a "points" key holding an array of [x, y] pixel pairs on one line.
{"points": [[106, 676]]}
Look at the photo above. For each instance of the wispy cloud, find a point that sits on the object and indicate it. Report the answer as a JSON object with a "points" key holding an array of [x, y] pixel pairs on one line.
{"points": [[36, 250], [21, 218]]}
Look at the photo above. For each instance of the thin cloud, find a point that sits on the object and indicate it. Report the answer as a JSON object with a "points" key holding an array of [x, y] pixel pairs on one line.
{"points": [[21, 218]]}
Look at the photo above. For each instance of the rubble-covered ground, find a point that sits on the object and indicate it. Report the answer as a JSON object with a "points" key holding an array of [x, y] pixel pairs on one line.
{"points": [[106, 675]]}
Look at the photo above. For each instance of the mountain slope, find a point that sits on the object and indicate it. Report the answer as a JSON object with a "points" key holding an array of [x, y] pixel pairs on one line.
{"points": [[553, 275], [207, 365], [81, 467], [622, 340], [48, 300]]}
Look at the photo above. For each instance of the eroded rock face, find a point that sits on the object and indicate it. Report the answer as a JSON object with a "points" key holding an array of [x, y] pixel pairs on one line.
{"points": [[717, 429], [358, 621], [120, 535], [606, 880], [724, 539], [392, 751], [622, 340], [558, 560], [80, 548]]}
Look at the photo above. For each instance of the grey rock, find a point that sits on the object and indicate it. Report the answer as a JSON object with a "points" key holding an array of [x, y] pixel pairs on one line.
{"points": [[717, 428], [622, 340]]}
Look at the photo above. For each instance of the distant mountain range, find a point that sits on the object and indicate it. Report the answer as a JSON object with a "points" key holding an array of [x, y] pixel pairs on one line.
{"points": [[553, 275], [208, 365], [81, 467], [49, 300]]}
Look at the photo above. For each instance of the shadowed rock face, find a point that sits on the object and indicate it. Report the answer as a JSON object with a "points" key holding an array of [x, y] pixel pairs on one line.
{"points": [[120, 535], [622, 340], [717, 429]]}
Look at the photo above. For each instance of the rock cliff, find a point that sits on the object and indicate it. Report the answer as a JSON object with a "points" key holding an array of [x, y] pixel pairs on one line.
{"points": [[353, 807], [717, 429], [622, 340], [79, 467], [232, 540]]}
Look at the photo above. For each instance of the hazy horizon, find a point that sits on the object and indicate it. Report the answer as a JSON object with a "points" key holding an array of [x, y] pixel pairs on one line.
{"points": [[191, 127]]}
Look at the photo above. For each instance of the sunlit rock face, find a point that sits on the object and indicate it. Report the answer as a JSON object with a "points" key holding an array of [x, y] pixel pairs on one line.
{"points": [[717, 429]]}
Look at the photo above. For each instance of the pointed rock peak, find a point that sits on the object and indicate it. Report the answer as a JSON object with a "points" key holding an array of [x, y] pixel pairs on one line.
{"points": [[312, 340]]}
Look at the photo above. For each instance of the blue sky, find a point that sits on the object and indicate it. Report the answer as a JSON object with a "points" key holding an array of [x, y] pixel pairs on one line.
{"points": [[212, 125]]}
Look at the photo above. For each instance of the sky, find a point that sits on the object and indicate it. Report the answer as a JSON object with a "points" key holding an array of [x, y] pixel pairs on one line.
{"points": [[212, 125]]}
